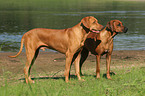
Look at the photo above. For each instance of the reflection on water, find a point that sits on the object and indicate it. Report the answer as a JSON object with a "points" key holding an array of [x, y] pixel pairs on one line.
{"points": [[13, 24]]}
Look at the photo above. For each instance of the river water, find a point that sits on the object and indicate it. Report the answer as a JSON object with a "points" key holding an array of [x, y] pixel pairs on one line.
{"points": [[15, 20]]}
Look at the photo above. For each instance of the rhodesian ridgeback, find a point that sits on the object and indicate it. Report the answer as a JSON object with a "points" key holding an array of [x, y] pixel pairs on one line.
{"points": [[100, 44], [67, 41]]}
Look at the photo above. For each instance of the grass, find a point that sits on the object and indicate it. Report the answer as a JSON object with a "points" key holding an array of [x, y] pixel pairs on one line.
{"points": [[128, 82]]}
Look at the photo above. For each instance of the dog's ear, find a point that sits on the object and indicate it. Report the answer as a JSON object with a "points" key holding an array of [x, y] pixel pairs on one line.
{"points": [[110, 25], [85, 21]]}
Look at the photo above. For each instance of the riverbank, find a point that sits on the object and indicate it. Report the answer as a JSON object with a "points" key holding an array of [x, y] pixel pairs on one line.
{"points": [[48, 71], [54, 61]]}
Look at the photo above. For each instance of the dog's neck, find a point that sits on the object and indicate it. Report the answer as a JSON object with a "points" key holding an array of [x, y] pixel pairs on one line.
{"points": [[87, 30], [108, 33]]}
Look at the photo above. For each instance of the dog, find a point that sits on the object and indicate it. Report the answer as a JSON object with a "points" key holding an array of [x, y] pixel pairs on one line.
{"points": [[67, 41], [100, 44]]}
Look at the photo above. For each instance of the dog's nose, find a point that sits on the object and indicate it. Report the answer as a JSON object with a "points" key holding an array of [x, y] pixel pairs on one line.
{"points": [[125, 29]]}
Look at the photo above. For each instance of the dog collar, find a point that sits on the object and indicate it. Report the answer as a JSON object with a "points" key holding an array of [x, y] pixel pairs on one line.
{"points": [[85, 28]]}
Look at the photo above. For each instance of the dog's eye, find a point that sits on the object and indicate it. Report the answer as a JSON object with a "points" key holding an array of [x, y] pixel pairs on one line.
{"points": [[119, 24]]}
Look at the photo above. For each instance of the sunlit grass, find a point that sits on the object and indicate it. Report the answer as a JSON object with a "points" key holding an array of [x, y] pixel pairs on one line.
{"points": [[128, 82]]}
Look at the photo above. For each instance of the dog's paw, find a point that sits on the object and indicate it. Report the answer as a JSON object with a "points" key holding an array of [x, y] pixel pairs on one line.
{"points": [[82, 80]]}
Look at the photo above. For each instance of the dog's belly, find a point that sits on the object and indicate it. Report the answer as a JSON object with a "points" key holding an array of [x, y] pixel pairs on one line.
{"points": [[59, 48]]}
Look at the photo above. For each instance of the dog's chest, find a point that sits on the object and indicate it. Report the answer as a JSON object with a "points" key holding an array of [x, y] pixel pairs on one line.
{"points": [[106, 46]]}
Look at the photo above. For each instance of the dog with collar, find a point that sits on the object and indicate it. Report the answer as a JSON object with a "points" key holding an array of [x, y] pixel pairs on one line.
{"points": [[100, 44]]}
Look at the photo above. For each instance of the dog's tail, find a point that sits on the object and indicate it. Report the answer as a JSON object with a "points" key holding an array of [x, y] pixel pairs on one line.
{"points": [[21, 47]]}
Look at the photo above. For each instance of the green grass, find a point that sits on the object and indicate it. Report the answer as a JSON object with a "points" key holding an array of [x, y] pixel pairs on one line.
{"points": [[128, 82]]}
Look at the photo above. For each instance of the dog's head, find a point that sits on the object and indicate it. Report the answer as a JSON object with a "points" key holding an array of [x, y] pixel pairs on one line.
{"points": [[116, 26], [92, 24]]}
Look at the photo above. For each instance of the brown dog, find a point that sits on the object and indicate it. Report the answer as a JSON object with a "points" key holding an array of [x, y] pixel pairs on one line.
{"points": [[102, 43], [67, 41]]}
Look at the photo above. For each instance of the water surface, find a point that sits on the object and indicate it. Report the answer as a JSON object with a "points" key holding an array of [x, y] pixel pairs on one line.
{"points": [[19, 17]]}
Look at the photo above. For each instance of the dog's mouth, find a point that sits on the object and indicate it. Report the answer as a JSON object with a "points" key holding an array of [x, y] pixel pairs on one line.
{"points": [[95, 31]]}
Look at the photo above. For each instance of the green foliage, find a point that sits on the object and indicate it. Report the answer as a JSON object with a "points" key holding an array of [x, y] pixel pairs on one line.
{"points": [[1, 47]]}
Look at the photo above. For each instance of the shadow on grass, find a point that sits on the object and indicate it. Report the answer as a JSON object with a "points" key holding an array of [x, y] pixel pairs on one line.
{"points": [[47, 77], [104, 75], [111, 73], [63, 78]]}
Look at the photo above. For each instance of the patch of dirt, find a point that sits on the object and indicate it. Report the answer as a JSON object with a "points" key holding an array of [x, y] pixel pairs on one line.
{"points": [[54, 61]]}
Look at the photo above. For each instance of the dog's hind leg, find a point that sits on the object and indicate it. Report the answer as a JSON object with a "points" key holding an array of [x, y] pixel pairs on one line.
{"points": [[31, 57]]}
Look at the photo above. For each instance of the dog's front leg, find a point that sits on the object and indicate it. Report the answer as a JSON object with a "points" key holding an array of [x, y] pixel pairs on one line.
{"points": [[98, 66], [84, 55], [108, 61], [69, 57]]}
